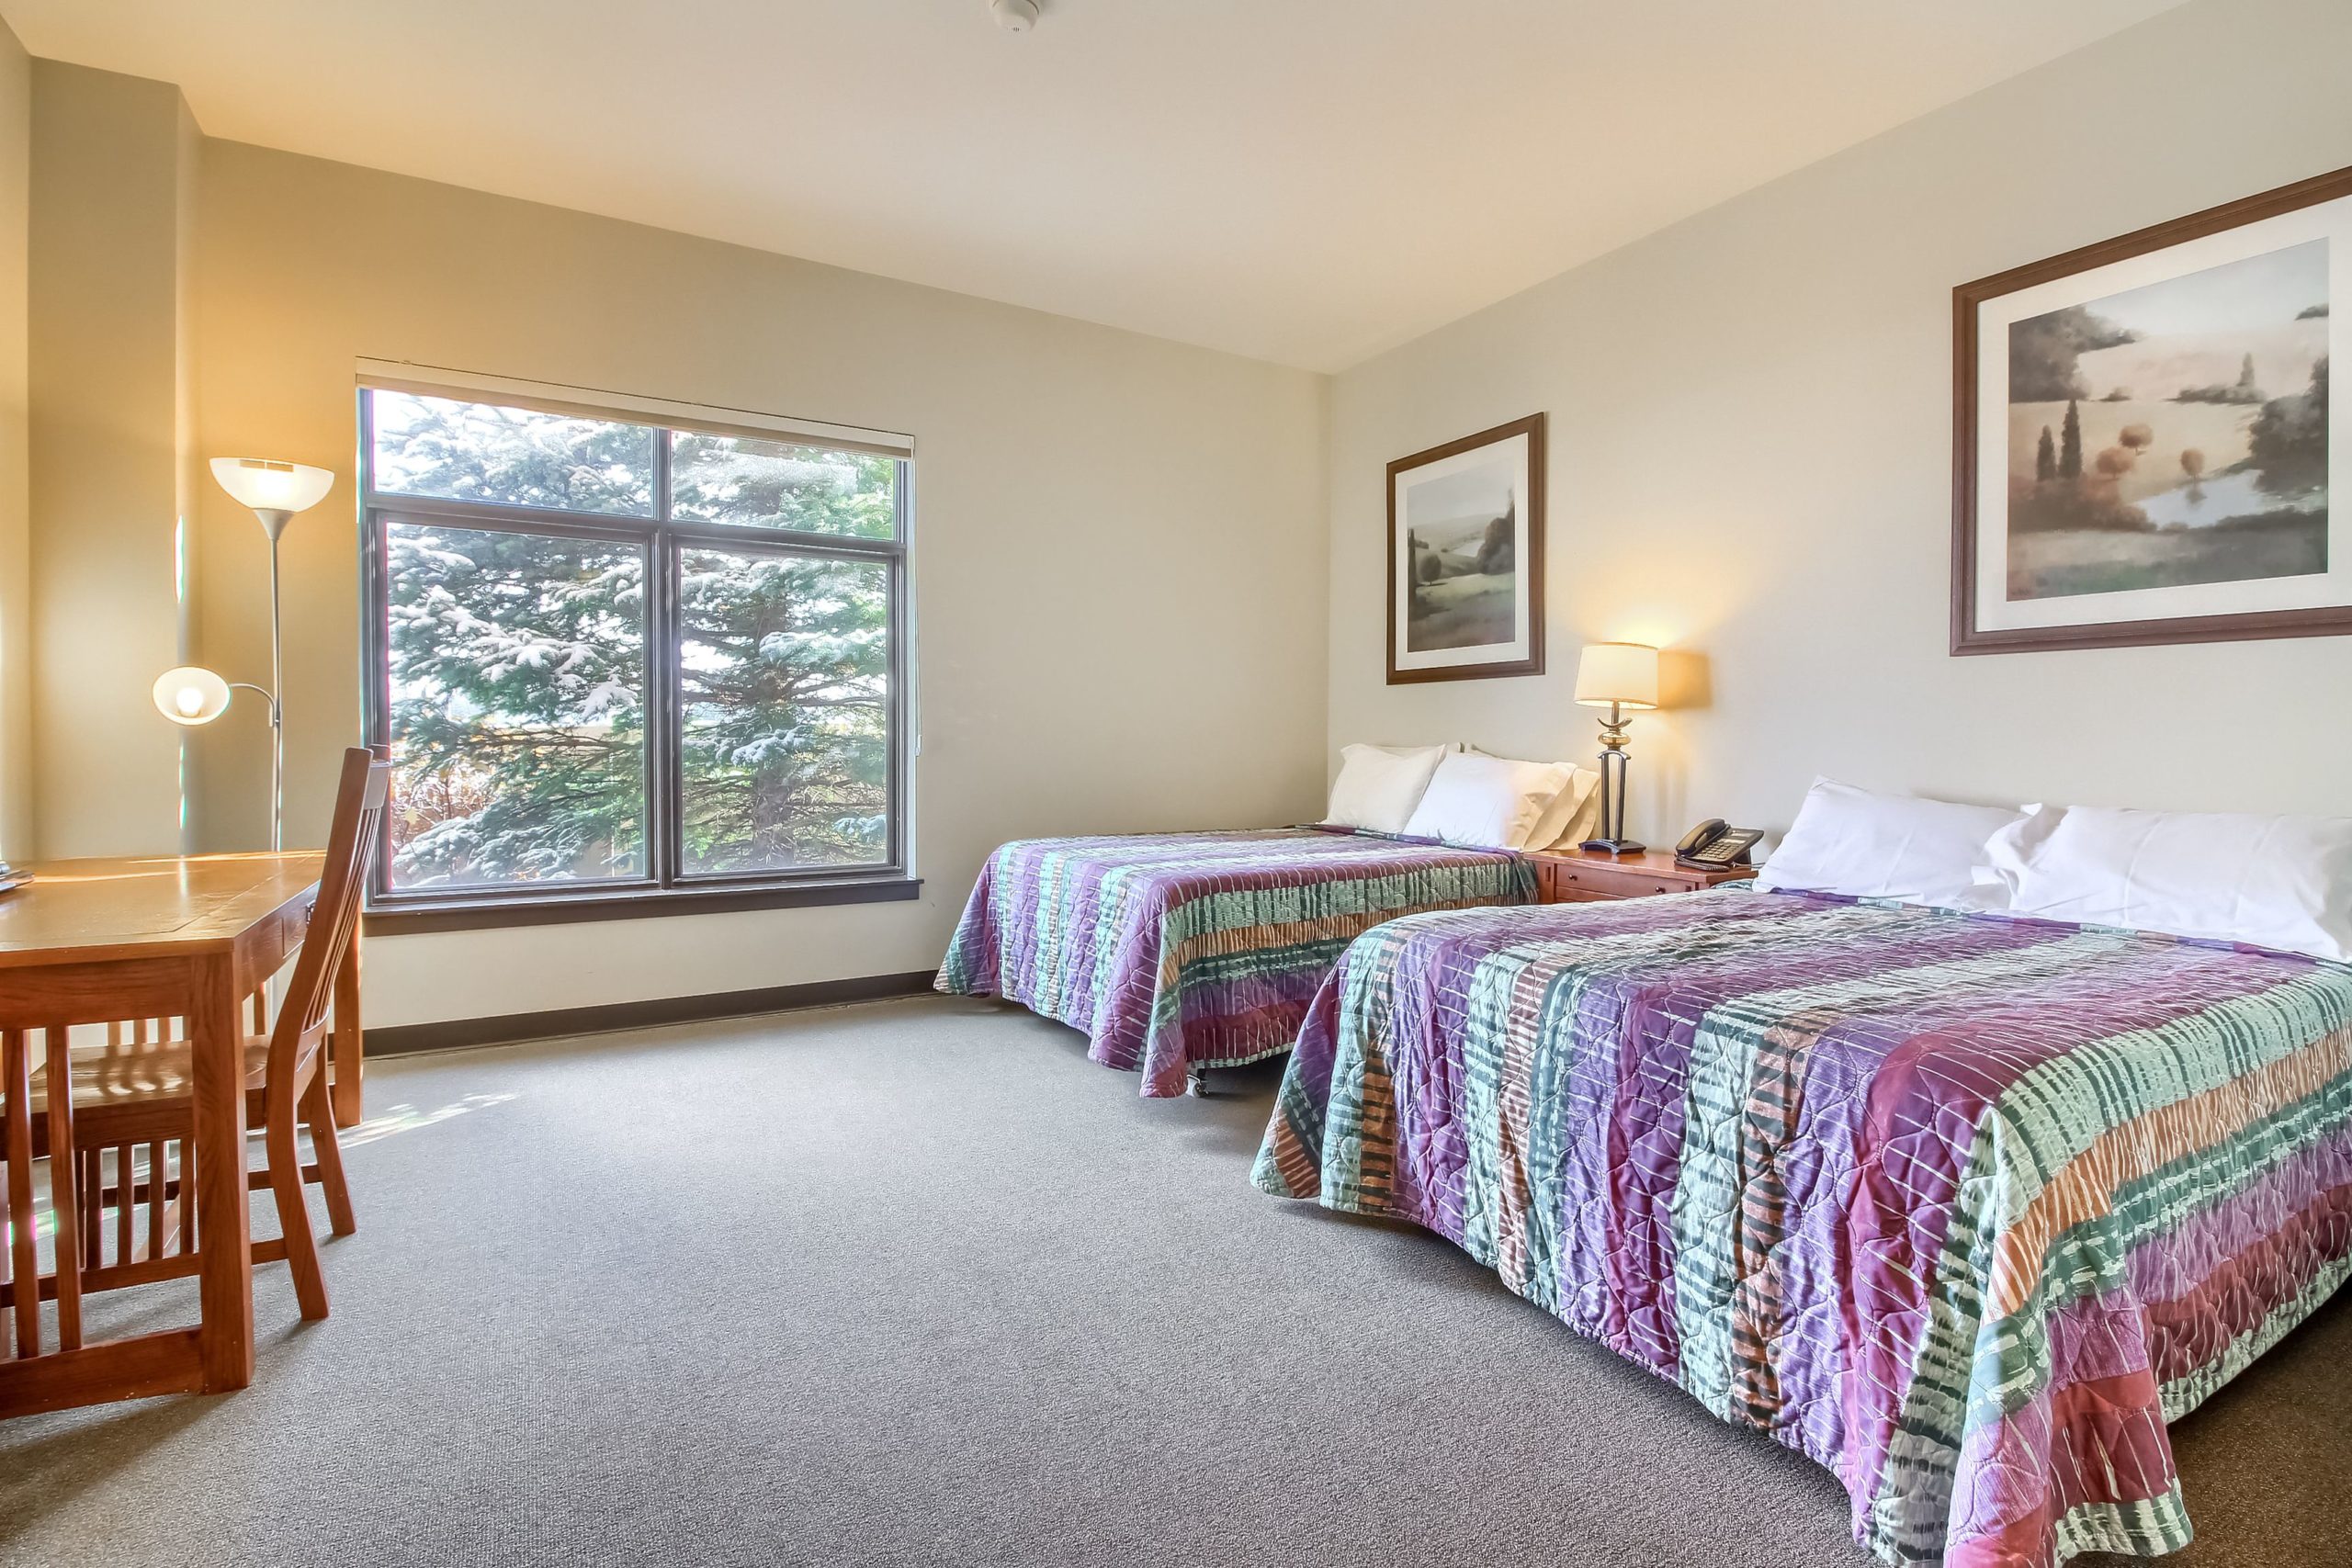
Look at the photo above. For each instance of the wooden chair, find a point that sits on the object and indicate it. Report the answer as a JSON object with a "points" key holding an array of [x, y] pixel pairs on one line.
{"points": [[137, 1088]]}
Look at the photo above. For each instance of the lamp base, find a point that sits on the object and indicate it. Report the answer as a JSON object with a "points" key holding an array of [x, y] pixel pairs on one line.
{"points": [[1612, 846]]}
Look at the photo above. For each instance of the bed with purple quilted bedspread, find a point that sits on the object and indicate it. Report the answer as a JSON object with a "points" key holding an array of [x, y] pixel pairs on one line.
{"points": [[1967, 1209], [1180, 951]]}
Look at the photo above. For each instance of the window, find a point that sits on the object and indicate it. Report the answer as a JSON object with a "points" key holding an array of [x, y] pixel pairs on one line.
{"points": [[617, 662]]}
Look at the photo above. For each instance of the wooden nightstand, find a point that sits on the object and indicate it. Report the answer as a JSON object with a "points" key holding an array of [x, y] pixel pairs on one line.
{"points": [[1580, 876]]}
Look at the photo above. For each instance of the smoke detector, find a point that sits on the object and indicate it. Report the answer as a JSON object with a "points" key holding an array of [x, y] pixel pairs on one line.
{"points": [[1014, 16]]}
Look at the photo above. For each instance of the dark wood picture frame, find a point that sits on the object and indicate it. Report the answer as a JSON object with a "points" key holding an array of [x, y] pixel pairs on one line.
{"points": [[1532, 427], [1966, 636]]}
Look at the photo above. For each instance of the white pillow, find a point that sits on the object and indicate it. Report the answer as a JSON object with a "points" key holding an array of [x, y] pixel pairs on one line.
{"points": [[1490, 802], [2283, 883], [1868, 845], [2006, 852], [1572, 813], [1577, 798], [1379, 785], [1583, 823]]}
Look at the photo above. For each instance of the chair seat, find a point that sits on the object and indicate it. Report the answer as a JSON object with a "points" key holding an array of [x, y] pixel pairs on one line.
{"points": [[145, 1073]]}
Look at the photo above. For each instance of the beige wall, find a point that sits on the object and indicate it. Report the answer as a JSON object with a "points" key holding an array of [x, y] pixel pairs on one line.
{"points": [[15, 517], [1750, 458], [1119, 550], [113, 171]]}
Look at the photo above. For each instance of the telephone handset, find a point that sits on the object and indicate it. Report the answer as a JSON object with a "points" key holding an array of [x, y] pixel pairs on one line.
{"points": [[1715, 845]]}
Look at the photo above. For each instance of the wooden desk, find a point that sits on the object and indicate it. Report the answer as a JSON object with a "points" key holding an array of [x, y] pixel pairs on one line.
{"points": [[102, 940]]}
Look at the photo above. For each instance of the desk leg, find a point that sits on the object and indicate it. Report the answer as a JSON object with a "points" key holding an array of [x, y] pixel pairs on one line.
{"points": [[347, 1052], [223, 1225]]}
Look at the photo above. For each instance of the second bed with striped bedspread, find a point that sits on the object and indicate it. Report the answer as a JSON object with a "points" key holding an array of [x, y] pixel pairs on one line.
{"points": [[1176, 951]]}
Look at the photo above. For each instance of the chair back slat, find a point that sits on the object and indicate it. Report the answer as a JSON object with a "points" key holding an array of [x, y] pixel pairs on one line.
{"points": [[351, 847]]}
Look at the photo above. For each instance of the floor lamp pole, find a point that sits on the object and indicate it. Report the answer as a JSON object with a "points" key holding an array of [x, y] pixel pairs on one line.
{"points": [[274, 522]]}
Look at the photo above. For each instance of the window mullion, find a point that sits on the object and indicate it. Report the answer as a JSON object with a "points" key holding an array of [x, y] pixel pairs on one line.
{"points": [[664, 791], [664, 690]]}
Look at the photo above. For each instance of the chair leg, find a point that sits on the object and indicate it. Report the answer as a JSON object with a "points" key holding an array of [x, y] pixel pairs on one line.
{"points": [[317, 1114], [294, 1215]]}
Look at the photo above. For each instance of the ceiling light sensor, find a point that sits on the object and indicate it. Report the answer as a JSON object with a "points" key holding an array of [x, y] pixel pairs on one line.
{"points": [[1014, 16]]}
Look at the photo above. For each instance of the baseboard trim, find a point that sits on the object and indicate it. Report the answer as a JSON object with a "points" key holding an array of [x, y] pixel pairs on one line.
{"points": [[507, 1028]]}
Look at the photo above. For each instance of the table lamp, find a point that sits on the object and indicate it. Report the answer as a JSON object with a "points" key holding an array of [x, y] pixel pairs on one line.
{"points": [[1616, 676], [193, 696]]}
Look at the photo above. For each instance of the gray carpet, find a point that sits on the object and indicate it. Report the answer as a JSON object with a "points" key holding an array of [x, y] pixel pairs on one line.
{"points": [[914, 1282]]}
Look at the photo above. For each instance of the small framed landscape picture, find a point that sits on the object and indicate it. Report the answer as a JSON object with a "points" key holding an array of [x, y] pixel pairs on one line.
{"points": [[1465, 558], [2143, 443]]}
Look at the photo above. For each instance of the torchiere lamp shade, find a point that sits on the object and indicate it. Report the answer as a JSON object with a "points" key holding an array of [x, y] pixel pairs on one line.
{"points": [[264, 484]]}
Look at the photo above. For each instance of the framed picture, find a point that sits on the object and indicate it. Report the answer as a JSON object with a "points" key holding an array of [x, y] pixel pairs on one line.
{"points": [[1465, 558], [2143, 441]]}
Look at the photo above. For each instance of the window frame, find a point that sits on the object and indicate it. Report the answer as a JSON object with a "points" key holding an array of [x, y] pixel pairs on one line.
{"points": [[665, 888]]}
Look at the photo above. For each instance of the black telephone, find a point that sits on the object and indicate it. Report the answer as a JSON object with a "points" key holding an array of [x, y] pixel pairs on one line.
{"points": [[1714, 846]]}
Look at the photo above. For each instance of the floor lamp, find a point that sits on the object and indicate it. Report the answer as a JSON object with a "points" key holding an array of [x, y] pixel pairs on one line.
{"points": [[193, 696], [1616, 676]]}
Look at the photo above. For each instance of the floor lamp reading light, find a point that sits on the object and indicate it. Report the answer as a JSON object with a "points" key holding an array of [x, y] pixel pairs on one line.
{"points": [[1616, 676], [193, 696]]}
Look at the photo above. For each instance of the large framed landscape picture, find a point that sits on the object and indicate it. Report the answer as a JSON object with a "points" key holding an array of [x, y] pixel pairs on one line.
{"points": [[1465, 558], [2143, 441]]}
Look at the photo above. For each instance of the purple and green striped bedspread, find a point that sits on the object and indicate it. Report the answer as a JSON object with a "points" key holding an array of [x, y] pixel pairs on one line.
{"points": [[1175, 951], [1966, 1209]]}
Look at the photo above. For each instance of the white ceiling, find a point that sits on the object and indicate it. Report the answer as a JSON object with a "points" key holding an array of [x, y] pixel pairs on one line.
{"points": [[1307, 181]]}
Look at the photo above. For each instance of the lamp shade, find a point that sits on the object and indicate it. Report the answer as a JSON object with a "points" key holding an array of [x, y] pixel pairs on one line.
{"points": [[267, 485], [1623, 674], [191, 695]]}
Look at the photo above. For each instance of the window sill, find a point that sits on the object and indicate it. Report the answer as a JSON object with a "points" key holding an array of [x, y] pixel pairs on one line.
{"points": [[408, 917]]}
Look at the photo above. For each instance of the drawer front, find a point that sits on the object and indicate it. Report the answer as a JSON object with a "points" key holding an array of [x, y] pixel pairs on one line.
{"points": [[1573, 883]]}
